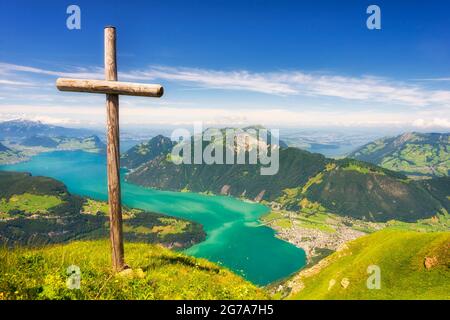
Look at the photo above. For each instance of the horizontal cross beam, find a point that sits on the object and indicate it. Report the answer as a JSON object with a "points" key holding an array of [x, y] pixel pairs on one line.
{"points": [[110, 87]]}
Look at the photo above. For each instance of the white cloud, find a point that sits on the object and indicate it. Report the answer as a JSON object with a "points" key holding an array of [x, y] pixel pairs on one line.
{"points": [[16, 83], [386, 98], [159, 115], [92, 73], [432, 123], [367, 89]]}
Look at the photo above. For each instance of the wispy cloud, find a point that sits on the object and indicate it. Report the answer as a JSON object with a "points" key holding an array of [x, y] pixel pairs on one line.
{"points": [[338, 98], [365, 88], [16, 83], [14, 69], [433, 79], [280, 83]]}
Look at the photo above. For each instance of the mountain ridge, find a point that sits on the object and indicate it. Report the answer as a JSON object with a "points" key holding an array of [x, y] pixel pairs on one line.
{"points": [[413, 153], [19, 129]]}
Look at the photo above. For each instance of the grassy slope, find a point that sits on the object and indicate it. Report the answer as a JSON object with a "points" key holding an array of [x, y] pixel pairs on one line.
{"points": [[400, 256], [29, 203], [41, 274]]}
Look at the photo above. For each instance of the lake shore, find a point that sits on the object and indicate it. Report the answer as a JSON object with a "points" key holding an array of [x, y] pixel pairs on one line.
{"points": [[235, 238]]}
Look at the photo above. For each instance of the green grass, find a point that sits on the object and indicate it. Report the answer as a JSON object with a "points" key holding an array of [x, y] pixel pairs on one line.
{"points": [[41, 274], [400, 256], [317, 179], [171, 226], [278, 219], [310, 224], [284, 223], [94, 207], [440, 222], [361, 169], [138, 229], [29, 203], [272, 215]]}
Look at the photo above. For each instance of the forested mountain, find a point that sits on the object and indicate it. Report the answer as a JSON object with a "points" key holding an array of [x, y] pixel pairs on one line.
{"points": [[306, 180], [146, 151]]}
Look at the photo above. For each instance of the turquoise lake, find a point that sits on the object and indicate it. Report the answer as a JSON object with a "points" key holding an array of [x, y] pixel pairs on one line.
{"points": [[234, 239]]}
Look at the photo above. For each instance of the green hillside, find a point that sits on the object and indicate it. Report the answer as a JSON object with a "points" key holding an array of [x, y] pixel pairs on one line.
{"points": [[413, 265], [145, 152], [40, 210], [416, 154], [157, 273]]}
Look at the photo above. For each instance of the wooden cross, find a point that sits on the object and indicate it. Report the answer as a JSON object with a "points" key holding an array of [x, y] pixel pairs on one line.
{"points": [[112, 88]]}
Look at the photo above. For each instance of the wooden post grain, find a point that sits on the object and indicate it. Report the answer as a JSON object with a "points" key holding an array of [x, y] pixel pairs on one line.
{"points": [[113, 154]]}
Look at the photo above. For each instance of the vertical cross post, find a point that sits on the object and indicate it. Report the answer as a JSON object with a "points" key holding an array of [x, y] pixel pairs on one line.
{"points": [[113, 154], [112, 88]]}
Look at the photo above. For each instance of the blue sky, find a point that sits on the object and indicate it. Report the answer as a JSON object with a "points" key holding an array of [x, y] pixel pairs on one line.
{"points": [[278, 63]]}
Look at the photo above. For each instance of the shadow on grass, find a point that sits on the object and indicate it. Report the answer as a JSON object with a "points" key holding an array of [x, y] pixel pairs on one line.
{"points": [[185, 261]]}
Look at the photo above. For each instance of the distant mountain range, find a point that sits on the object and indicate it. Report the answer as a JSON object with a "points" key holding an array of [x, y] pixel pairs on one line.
{"points": [[305, 181], [15, 130], [415, 154]]}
